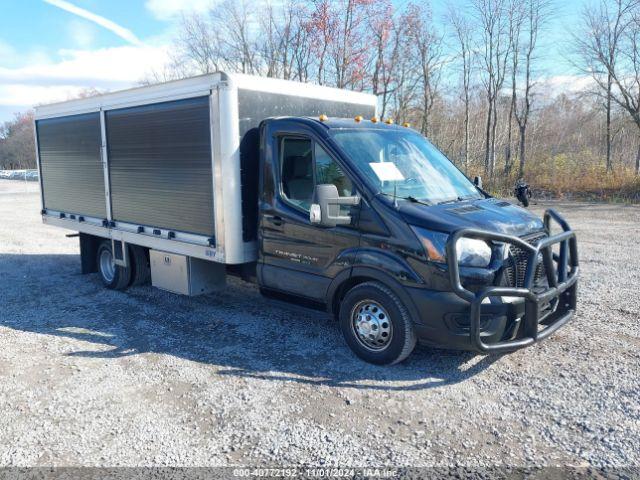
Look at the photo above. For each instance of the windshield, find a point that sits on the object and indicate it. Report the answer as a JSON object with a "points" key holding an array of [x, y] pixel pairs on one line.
{"points": [[407, 162]]}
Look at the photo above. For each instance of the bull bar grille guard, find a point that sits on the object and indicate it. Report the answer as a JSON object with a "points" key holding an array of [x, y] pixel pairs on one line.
{"points": [[561, 273]]}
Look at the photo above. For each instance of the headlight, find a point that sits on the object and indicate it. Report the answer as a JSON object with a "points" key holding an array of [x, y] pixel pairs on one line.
{"points": [[471, 252]]}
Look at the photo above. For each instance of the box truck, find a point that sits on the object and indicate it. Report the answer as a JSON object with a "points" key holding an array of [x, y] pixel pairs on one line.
{"points": [[303, 190]]}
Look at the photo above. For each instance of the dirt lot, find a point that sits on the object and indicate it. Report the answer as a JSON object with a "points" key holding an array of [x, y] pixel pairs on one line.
{"points": [[95, 377]]}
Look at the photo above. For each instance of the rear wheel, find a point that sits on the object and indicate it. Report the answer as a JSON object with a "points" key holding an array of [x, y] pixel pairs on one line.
{"points": [[376, 324], [113, 276], [141, 271]]}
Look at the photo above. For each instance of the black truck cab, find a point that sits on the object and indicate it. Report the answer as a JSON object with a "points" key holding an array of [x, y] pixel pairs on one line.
{"points": [[370, 220]]}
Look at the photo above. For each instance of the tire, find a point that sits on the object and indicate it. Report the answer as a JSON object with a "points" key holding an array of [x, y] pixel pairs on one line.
{"points": [[140, 268], [367, 339], [113, 277]]}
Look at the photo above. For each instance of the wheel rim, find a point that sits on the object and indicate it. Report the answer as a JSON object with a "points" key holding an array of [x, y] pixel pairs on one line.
{"points": [[371, 325], [107, 267]]}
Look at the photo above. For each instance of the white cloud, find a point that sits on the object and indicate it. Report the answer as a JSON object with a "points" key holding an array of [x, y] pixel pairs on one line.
{"points": [[103, 69], [7, 53], [82, 33], [10, 57], [119, 30], [565, 84], [168, 9]]}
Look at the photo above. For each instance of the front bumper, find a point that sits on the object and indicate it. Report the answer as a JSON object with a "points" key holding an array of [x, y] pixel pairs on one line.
{"points": [[467, 320]]}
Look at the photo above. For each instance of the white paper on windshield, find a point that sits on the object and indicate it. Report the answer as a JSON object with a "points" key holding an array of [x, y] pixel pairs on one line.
{"points": [[386, 171]]}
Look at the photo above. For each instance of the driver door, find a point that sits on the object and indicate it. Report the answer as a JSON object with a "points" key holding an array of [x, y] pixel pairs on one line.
{"points": [[297, 257]]}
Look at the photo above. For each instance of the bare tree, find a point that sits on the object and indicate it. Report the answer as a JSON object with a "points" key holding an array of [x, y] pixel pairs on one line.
{"points": [[301, 44], [284, 40], [350, 42], [322, 22], [234, 25], [197, 45], [495, 48], [393, 49], [532, 17], [516, 25], [608, 48], [463, 37], [428, 45], [596, 27], [406, 89], [273, 42], [389, 35], [221, 40]]}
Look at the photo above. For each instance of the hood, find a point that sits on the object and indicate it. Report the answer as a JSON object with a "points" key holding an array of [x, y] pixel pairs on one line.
{"points": [[489, 214]]}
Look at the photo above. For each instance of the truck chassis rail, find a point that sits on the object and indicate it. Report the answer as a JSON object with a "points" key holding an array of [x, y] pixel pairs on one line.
{"points": [[561, 271]]}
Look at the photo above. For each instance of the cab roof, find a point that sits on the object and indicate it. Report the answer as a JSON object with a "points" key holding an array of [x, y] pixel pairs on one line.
{"points": [[331, 123]]}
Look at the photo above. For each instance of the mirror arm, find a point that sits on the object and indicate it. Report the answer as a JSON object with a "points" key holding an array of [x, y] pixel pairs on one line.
{"points": [[342, 219]]}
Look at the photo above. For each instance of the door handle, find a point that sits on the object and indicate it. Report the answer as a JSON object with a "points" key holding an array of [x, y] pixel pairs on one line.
{"points": [[277, 221]]}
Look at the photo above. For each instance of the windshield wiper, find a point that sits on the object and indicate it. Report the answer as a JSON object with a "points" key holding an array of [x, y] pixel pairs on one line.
{"points": [[415, 200], [410, 198], [457, 199]]}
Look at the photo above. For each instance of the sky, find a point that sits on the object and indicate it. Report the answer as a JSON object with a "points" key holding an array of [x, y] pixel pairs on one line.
{"points": [[50, 50]]}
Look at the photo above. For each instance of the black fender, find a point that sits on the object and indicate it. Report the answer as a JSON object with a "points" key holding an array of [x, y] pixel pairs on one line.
{"points": [[342, 263], [367, 273], [334, 287], [389, 262]]}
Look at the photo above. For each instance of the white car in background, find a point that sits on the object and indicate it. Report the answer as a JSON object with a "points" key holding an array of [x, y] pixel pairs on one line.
{"points": [[29, 175]]}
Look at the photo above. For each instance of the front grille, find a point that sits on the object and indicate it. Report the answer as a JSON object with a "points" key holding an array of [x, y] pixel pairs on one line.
{"points": [[515, 266]]}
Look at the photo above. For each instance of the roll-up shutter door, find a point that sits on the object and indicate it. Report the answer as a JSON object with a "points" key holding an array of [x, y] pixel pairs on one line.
{"points": [[160, 165], [71, 164]]}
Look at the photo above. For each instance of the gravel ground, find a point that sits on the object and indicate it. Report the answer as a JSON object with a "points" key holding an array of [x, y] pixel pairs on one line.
{"points": [[101, 378]]}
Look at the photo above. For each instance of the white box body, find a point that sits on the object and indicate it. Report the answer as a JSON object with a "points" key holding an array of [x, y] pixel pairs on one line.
{"points": [[236, 104]]}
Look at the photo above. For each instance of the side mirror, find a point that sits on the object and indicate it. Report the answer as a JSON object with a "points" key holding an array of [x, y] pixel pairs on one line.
{"points": [[477, 181], [325, 210]]}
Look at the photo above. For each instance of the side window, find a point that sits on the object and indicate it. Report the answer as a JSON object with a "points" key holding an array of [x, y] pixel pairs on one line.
{"points": [[296, 159], [328, 171], [305, 164]]}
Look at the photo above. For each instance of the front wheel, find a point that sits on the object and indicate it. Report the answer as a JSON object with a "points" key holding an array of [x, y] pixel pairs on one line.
{"points": [[376, 325], [523, 197]]}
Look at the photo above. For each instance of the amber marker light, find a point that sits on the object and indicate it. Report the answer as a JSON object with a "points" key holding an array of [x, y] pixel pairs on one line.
{"points": [[406, 125], [432, 252], [358, 118], [374, 120], [323, 118], [389, 121]]}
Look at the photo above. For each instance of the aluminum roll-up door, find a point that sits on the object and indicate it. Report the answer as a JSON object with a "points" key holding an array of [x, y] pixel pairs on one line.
{"points": [[160, 165], [71, 164]]}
